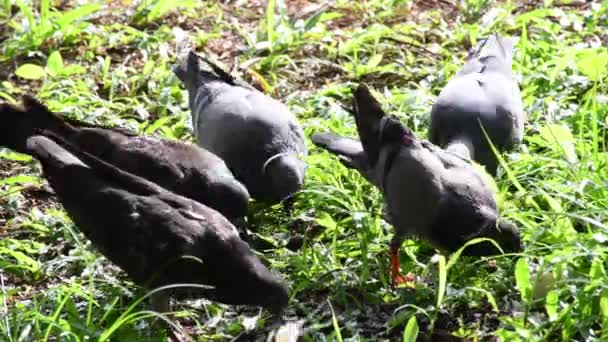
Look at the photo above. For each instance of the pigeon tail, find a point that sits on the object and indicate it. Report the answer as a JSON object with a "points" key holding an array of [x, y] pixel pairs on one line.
{"points": [[341, 146], [190, 72], [349, 150], [22, 123], [368, 114]]}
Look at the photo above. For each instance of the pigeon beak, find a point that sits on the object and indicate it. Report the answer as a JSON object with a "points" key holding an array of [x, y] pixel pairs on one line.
{"points": [[269, 160], [278, 155], [408, 139]]}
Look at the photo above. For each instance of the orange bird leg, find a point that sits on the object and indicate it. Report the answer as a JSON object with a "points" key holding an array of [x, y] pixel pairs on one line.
{"points": [[396, 276]]}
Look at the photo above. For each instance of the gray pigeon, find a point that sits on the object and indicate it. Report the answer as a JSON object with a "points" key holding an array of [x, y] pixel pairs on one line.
{"points": [[258, 137], [483, 91], [157, 237], [428, 192], [183, 168]]}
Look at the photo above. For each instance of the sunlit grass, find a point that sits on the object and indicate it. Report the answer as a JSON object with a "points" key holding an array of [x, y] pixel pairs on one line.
{"points": [[99, 65]]}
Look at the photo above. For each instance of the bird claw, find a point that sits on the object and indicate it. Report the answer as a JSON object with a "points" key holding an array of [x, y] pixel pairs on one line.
{"points": [[399, 279]]}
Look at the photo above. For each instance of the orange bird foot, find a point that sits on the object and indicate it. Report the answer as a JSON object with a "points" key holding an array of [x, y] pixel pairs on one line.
{"points": [[399, 279], [396, 276]]}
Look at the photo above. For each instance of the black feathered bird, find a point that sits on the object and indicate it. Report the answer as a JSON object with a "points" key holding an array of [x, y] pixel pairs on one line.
{"points": [[185, 169], [484, 93], [427, 191], [157, 237]]}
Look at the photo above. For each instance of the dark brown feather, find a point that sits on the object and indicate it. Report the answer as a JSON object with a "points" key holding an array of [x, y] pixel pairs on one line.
{"points": [[157, 237], [186, 169]]}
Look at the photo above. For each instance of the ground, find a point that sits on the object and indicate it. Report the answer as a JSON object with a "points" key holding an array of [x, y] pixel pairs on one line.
{"points": [[110, 63]]}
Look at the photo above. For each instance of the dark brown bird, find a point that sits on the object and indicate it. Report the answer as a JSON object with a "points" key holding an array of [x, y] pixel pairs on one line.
{"points": [[428, 192], [185, 169], [157, 237]]}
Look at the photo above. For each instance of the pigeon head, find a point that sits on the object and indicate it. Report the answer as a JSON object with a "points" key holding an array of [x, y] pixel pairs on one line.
{"points": [[284, 173], [504, 233], [230, 197], [239, 277], [189, 70], [374, 126], [393, 131]]}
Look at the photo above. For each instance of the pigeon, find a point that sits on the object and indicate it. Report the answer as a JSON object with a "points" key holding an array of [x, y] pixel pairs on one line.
{"points": [[257, 136], [484, 93], [428, 192], [185, 169], [156, 236]]}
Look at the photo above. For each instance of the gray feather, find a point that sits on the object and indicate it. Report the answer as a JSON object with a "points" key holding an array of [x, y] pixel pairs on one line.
{"points": [[483, 93], [248, 129], [349, 150], [428, 192]]}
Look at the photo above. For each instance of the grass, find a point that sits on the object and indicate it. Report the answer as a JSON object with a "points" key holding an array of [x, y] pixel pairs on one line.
{"points": [[109, 63]]}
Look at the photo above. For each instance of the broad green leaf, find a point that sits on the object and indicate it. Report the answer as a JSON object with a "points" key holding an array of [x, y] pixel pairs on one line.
{"points": [[15, 156], [559, 64], [551, 304], [374, 61], [558, 138], [30, 72], [411, 330], [157, 124], [593, 63], [148, 67], [78, 13], [23, 261], [54, 64], [44, 9], [160, 8], [522, 279], [19, 179], [35, 227], [326, 221], [73, 69]]}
